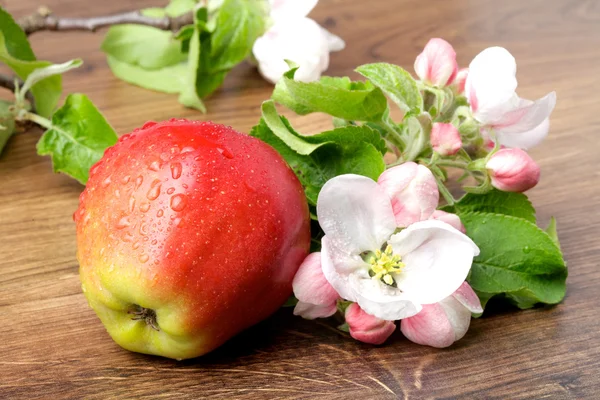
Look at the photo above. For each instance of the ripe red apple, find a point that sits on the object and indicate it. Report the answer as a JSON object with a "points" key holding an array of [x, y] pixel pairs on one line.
{"points": [[187, 233]]}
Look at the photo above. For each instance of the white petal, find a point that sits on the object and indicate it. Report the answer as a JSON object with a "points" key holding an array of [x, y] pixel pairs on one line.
{"points": [[458, 315], [337, 267], [524, 140], [334, 42], [286, 9], [437, 258], [312, 311], [381, 300], [491, 84], [355, 213], [300, 40], [528, 115]]}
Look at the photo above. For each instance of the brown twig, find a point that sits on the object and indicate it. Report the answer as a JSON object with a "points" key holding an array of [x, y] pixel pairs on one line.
{"points": [[44, 20], [8, 82]]}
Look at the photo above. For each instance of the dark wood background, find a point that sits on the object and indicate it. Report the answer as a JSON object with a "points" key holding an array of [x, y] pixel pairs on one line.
{"points": [[52, 345]]}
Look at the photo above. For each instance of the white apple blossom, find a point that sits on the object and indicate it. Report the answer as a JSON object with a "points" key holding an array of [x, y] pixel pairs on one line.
{"points": [[297, 38], [490, 88], [390, 275]]}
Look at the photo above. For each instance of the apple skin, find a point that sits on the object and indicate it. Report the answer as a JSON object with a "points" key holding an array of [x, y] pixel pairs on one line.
{"points": [[198, 228]]}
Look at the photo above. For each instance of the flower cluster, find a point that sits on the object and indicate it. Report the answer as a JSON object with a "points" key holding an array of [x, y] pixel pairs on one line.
{"points": [[294, 36], [388, 254]]}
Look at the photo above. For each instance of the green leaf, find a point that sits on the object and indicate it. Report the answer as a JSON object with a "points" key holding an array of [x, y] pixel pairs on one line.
{"points": [[237, 25], [46, 92], [16, 42], [189, 96], [516, 258], [495, 201], [168, 79], [398, 84], [43, 73], [180, 7], [7, 123], [552, 233], [290, 302], [326, 161], [338, 97], [143, 46], [77, 138]]}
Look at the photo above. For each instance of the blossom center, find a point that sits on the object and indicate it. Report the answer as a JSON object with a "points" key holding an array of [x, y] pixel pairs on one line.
{"points": [[384, 264]]}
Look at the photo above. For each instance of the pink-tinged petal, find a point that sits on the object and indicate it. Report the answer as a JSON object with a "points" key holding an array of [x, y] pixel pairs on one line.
{"points": [[310, 285], [355, 213], [430, 327], [468, 298], [436, 65], [445, 139], [437, 259], [312, 311], [458, 315], [513, 170], [334, 42], [413, 192], [451, 219], [528, 115], [491, 84], [524, 140], [367, 328], [290, 9], [461, 80]]}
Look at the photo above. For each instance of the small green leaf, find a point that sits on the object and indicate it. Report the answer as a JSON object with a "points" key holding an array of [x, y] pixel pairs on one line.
{"points": [[325, 162], [78, 137], [290, 302], [398, 84], [552, 233], [46, 92], [180, 7], [168, 79], [338, 97], [43, 73], [16, 42], [143, 46], [495, 201], [189, 96], [516, 258], [7, 123]]}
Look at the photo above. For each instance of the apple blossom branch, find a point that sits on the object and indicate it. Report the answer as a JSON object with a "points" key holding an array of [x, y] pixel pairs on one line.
{"points": [[44, 20]]}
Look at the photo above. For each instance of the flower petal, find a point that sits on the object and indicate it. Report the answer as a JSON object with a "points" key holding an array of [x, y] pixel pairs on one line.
{"points": [[491, 84], [355, 213], [380, 300], [367, 328], [430, 327], [334, 42], [310, 285], [413, 192], [287, 9], [528, 115], [312, 311], [301, 40], [451, 219], [468, 298], [337, 266], [458, 316], [437, 258], [524, 140], [436, 65]]}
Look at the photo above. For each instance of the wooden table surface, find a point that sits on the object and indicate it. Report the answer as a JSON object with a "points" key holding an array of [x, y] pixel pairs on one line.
{"points": [[52, 346]]}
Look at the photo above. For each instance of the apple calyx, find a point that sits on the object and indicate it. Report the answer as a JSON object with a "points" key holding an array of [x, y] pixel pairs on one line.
{"points": [[144, 314]]}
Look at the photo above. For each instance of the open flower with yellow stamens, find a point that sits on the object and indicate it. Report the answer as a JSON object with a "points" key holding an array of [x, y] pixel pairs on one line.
{"points": [[389, 274]]}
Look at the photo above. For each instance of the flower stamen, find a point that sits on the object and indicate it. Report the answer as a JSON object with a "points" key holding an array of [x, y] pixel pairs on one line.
{"points": [[384, 264]]}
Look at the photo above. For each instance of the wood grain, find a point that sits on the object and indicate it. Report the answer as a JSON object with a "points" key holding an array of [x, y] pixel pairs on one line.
{"points": [[53, 346]]}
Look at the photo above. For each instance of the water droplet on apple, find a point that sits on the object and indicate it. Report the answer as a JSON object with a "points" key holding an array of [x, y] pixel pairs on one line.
{"points": [[144, 258], [125, 180], [154, 191], [148, 124], [144, 207], [106, 182], [160, 213], [178, 202], [187, 149], [138, 181], [143, 229], [123, 223], [154, 166], [225, 152], [131, 206], [176, 170], [171, 190]]}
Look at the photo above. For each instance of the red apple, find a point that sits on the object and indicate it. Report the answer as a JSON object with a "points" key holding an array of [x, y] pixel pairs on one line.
{"points": [[187, 233]]}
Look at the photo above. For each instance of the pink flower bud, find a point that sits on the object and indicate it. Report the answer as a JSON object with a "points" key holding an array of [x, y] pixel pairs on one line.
{"points": [[413, 191], [436, 65], [445, 139], [451, 219], [316, 297], [460, 80], [367, 328], [513, 170], [441, 324]]}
